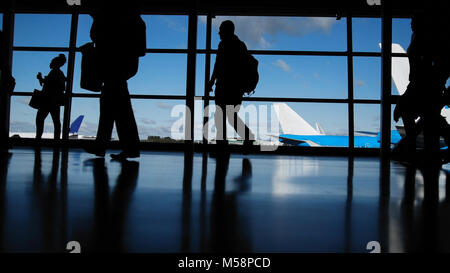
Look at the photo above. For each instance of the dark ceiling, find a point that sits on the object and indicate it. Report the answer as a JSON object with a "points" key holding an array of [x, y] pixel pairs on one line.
{"points": [[357, 8]]}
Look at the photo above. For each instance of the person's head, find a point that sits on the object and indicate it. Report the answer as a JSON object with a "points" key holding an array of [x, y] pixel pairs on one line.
{"points": [[226, 29], [57, 62], [419, 22]]}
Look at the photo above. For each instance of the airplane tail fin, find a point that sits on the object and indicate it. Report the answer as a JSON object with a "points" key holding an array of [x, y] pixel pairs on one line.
{"points": [[291, 123], [400, 69], [400, 75], [75, 126], [319, 129]]}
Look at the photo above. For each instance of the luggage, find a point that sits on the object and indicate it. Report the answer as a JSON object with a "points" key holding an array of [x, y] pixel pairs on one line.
{"points": [[36, 99], [90, 69]]}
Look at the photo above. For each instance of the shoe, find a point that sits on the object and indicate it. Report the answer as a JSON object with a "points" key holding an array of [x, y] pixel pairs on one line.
{"points": [[125, 155], [95, 151]]}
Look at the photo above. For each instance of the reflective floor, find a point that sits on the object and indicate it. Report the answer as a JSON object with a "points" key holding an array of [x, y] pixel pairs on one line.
{"points": [[176, 202]]}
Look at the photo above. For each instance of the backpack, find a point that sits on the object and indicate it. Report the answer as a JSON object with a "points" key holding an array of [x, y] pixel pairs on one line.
{"points": [[250, 76]]}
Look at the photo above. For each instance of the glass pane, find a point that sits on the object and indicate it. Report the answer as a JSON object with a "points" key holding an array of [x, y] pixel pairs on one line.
{"points": [[367, 122], [332, 118], [160, 120], [401, 31], [367, 77], [84, 28], [201, 32], [90, 109], [26, 65], [200, 75], [302, 77], [42, 30], [22, 122], [366, 34], [1, 21], [286, 33], [367, 125], [166, 31], [159, 74]]}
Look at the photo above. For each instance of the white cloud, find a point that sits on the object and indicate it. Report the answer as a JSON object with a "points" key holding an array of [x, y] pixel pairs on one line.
{"points": [[283, 65], [360, 82], [174, 25], [262, 31], [24, 100], [163, 105], [88, 128], [147, 121]]}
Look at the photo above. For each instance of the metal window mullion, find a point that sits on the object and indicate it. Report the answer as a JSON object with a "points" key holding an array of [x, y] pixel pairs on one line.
{"points": [[386, 60], [8, 30], [351, 107], [207, 76], [190, 78], [70, 72]]}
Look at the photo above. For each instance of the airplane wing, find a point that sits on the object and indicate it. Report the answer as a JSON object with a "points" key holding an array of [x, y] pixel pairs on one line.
{"points": [[299, 141], [367, 133]]}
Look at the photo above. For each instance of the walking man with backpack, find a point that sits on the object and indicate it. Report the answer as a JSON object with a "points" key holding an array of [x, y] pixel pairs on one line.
{"points": [[230, 76]]}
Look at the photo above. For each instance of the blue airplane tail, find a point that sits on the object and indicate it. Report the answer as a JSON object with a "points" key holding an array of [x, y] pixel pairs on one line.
{"points": [[75, 126]]}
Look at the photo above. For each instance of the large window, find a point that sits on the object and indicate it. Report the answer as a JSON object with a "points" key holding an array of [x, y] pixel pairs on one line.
{"points": [[303, 62]]}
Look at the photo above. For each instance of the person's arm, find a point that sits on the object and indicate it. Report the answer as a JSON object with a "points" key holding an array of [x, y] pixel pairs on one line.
{"points": [[40, 78], [215, 69]]}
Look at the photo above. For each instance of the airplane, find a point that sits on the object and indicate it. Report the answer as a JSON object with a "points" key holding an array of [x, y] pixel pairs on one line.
{"points": [[298, 132], [73, 132]]}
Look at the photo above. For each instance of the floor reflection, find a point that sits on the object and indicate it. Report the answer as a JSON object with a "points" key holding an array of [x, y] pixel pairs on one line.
{"points": [[189, 202]]}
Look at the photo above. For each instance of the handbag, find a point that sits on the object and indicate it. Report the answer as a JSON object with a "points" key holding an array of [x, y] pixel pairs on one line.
{"points": [[90, 68], [36, 99]]}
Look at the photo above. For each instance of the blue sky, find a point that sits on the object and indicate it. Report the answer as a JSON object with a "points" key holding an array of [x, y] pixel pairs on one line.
{"points": [[280, 76]]}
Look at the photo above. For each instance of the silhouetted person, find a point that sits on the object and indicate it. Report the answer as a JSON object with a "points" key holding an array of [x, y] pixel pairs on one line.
{"points": [[54, 86], [231, 55], [119, 37], [7, 84], [423, 96]]}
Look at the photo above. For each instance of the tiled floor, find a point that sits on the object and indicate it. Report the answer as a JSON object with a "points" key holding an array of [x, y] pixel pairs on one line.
{"points": [[172, 202]]}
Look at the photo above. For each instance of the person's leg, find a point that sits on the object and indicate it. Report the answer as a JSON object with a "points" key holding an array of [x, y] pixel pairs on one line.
{"points": [[106, 119], [411, 132], [125, 121], [220, 120], [238, 124], [55, 113], [40, 118], [431, 135]]}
